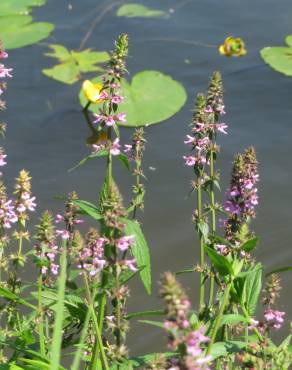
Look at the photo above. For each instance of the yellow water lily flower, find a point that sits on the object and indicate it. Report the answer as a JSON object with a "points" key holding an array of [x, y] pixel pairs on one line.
{"points": [[233, 47], [92, 91]]}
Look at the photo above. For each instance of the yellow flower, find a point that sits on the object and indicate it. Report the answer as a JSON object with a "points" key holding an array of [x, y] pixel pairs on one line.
{"points": [[92, 91], [233, 47]]}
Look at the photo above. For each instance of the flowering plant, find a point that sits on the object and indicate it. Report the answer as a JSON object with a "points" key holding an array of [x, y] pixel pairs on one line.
{"points": [[79, 298]]}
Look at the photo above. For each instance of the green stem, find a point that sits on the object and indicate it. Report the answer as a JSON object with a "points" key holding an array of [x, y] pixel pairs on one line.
{"points": [[219, 317], [96, 327], [78, 353], [247, 316], [213, 223], [202, 251], [41, 317]]}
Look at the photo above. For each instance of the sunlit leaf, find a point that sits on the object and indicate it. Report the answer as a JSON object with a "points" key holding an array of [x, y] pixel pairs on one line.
{"points": [[279, 58], [288, 40], [73, 63], [150, 98], [140, 251], [138, 10], [16, 36], [8, 7]]}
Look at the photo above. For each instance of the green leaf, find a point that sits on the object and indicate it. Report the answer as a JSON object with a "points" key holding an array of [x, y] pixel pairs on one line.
{"points": [[288, 40], [124, 159], [138, 10], [221, 349], [100, 153], [134, 315], [73, 63], [13, 297], [140, 251], [66, 72], [141, 361], [250, 244], [203, 227], [233, 319], [88, 208], [220, 262], [8, 7], [16, 36], [152, 97], [252, 288], [153, 323], [58, 324], [279, 58], [279, 269], [187, 271]]}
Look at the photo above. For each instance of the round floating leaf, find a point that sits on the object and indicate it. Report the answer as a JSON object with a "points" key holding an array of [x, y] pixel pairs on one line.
{"points": [[138, 10], [279, 58], [288, 40], [8, 7], [152, 97], [10, 21], [16, 37]]}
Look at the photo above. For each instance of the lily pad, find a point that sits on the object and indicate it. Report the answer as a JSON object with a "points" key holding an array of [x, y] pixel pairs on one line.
{"points": [[137, 10], [279, 58], [73, 63], [16, 27], [16, 36], [9, 7], [151, 97]]}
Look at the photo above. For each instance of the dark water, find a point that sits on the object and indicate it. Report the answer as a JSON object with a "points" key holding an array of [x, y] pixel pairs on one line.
{"points": [[46, 131]]}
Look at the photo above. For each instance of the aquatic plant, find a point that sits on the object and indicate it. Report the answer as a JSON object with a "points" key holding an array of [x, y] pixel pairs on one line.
{"points": [[77, 304]]}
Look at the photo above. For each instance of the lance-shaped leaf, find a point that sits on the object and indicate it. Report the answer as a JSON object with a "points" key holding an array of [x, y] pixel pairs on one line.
{"points": [[220, 262], [140, 251], [252, 288]]}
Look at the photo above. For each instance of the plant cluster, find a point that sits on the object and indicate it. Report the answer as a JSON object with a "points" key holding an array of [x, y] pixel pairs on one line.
{"points": [[78, 305]]}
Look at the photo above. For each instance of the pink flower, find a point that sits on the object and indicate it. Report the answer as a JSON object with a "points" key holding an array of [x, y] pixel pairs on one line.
{"points": [[131, 264], [98, 118], [125, 242], [2, 159], [59, 218], [221, 127], [128, 148], [5, 72], [109, 121], [3, 54], [117, 99], [121, 117], [208, 109], [274, 318], [189, 160], [64, 234], [189, 139], [115, 147]]}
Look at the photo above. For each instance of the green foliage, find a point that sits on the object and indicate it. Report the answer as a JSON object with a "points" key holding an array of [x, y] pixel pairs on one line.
{"points": [[151, 97], [74, 63], [280, 269], [249, 245], [279, 58], [252, 288], [220, 262], [138, 10], [16, 26], [140, 251], [89, 209], [58, 325]]}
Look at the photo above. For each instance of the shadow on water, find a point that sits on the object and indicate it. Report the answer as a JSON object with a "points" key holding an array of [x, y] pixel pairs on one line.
{"points": [[46, 131]]}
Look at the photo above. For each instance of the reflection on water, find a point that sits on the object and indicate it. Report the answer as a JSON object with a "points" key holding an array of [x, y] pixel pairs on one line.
{"points": [[46, 132]]}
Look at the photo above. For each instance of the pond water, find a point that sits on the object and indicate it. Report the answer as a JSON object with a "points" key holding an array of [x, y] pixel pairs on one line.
{"points": [[46, 130]]}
